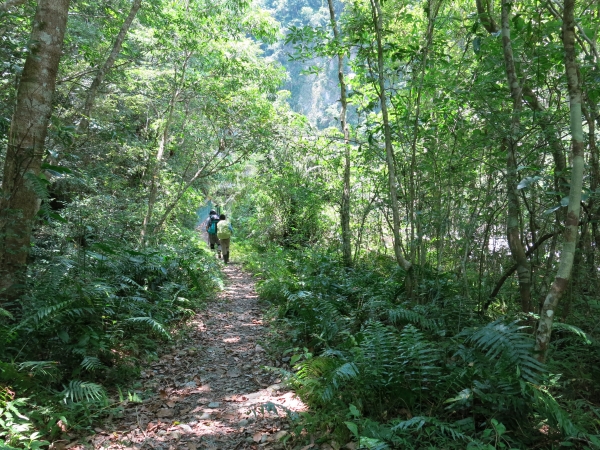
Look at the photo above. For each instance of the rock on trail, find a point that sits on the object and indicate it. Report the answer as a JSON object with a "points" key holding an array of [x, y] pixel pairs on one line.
{"points": [[209, 392]]}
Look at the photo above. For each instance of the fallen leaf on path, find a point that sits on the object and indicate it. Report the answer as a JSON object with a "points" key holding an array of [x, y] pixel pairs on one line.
{"points": [[234, 373], [165, 413]]}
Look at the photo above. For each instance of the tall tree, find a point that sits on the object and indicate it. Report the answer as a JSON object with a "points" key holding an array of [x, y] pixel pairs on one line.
{"points": [[377, 18], [179, 79], [567, 255], [105, 68], [345, 204], [19, 202], [513, 232]]}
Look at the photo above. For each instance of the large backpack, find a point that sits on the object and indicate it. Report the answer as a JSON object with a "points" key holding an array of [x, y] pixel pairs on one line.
{"points": [[212, 227], [223, 230]]}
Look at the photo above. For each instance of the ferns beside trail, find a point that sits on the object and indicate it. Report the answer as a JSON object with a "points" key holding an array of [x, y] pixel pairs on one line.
{"points": [[411, 374], [90, 314], [509, 346]]}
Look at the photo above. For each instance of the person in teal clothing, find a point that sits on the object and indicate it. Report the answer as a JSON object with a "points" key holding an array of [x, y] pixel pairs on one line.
{"points": [[210, 225], [224, 232]]}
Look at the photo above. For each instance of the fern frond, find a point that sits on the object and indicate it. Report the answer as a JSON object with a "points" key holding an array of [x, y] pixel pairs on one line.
{"points": [[505, 341], [5, 313], [78, 390], [417, 423], [400, 314], [38, 184], [153, 324], [559, 418], [91, 363], [45, 368], [127, 281], [572, 329], [345, 372], [46, 311], [417, 359], [315, 368]]}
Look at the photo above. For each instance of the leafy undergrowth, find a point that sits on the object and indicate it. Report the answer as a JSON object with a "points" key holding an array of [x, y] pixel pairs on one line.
{"points": [[421, 370], [91, 314]]}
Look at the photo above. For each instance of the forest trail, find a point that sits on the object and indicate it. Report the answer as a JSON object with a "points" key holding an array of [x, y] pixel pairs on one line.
{"points": [[209, 391]]}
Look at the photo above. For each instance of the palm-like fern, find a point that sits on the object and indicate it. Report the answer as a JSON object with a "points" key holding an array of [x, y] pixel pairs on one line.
{"points": [[78, 390], [417, 358], [151, 323], [506, 344], [378, 347], [402, 315], [437, 426]]}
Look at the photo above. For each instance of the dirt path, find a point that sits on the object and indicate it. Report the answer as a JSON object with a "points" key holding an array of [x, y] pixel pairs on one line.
{"points": [[209, 392]]}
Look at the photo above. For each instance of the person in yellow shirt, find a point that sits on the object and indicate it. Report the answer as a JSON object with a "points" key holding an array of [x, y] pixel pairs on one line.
{"points": [[224, 232]]}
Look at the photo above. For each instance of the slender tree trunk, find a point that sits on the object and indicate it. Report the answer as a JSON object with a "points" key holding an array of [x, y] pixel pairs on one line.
{"points": [[19, 203], [155, 166], [513, 232], [484, 10], [567, 255], [155, 172], [551, 134], [389, 150], [93, 90], [202, 172], [345, 206], [591, 113]]}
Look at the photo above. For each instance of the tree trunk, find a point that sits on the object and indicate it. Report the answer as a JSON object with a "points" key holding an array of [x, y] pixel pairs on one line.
{"points": [[27, 134], [484, 10], [433, 7], [567, 255], [591, 112], [345, 206], [93, 90], [389, 150], [551, 134], [513, 233], [155, 165]]}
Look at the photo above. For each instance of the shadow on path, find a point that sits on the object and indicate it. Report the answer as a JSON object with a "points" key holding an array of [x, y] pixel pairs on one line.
{"points": [[209, 392]]}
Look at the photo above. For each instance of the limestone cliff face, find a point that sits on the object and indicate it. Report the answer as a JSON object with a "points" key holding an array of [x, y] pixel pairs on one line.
{"points": [[314, 95]]}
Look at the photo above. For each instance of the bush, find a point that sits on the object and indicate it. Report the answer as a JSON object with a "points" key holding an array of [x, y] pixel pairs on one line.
{"points": [[412, 372]]}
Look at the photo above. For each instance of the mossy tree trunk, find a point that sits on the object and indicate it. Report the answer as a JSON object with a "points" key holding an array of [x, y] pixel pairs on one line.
{"points": [[567, 255], [19, 202]]}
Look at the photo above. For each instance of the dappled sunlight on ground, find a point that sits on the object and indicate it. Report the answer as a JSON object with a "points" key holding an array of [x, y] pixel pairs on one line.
{"points": [[211, 391]]}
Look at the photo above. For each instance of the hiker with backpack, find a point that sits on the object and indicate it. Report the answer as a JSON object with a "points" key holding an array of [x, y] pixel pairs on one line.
{"points": [[211, 229], [224, 232]]}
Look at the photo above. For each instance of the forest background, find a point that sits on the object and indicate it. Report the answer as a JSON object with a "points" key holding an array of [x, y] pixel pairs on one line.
{"points": [[415, 182]]}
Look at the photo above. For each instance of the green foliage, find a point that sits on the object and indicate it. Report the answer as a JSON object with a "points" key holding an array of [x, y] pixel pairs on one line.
{"points": [[16, 429], [388, 362], [507, 344], [78, 390], [93, 314], [410, 381]]}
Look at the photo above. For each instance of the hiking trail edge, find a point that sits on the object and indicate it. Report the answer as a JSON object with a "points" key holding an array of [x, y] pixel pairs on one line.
{"points": [[209, 391]]}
